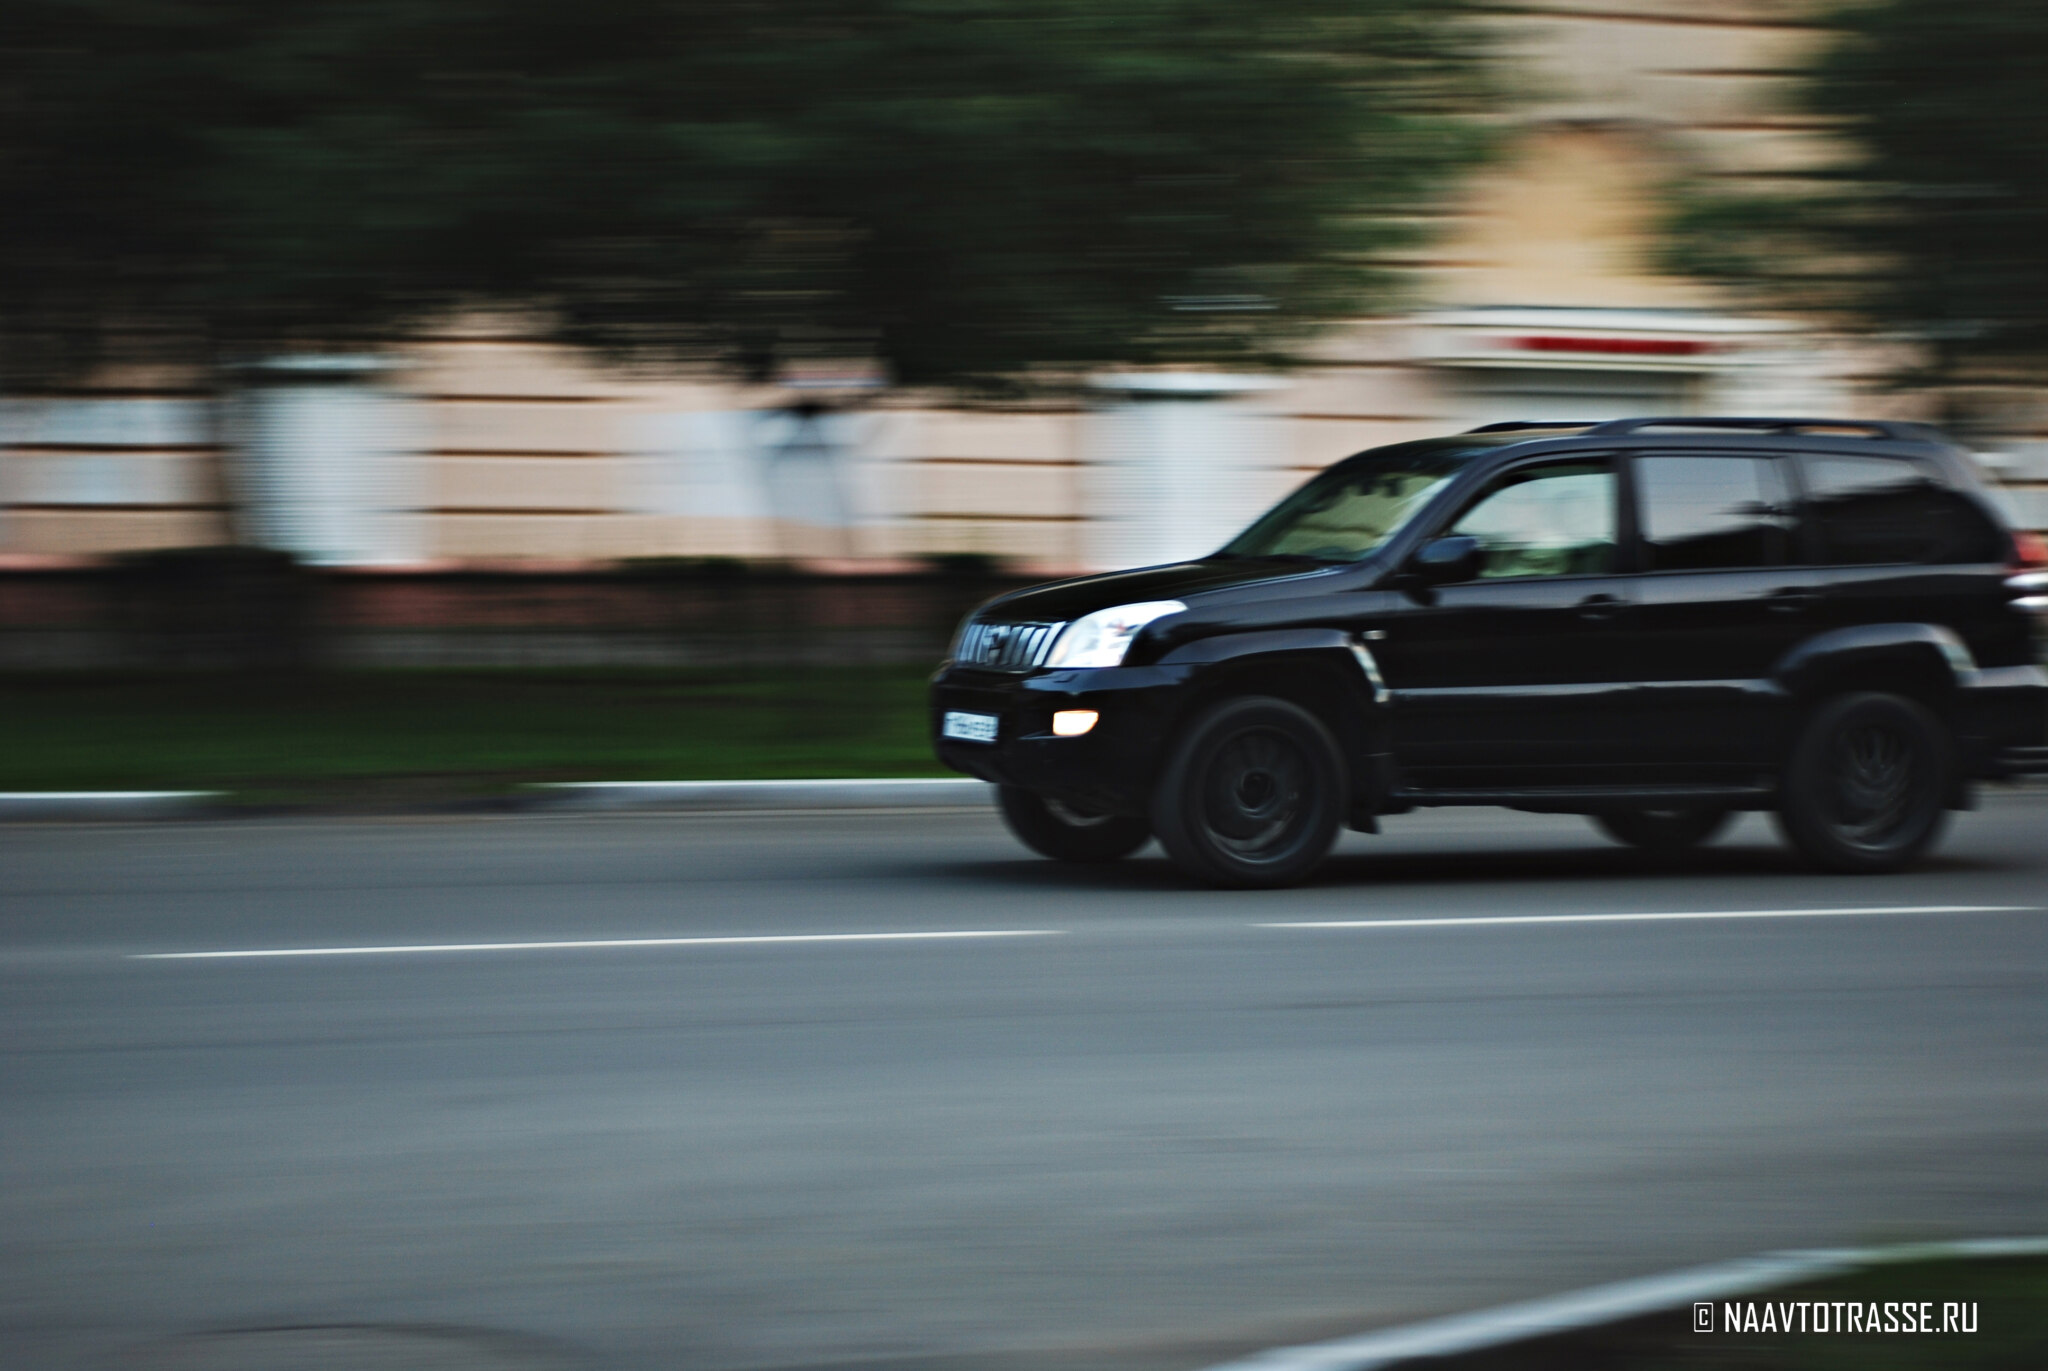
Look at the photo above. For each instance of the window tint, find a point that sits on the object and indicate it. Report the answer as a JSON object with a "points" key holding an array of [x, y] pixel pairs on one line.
{"points": [[1886, 509], [1546, 521], [1702, 513]]}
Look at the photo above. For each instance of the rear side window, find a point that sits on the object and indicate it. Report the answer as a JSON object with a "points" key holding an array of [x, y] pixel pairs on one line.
{"points": [[1867, 510], [1707, 513]]}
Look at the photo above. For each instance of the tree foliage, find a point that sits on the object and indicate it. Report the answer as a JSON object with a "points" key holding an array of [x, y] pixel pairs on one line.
{"points": [[962, 189], [1935, 223]]}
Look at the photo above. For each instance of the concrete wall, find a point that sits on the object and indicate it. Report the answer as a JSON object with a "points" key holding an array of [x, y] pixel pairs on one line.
{"points": [[136, 465]]}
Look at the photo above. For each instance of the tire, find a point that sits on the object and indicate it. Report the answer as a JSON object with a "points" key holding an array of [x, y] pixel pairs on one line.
{"points": [[1251, 796], [1866, 787], [1663, 830], [1067, 833]]}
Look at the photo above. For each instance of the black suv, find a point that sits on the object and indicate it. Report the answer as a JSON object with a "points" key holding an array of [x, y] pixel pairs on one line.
{"points": [[1655, 622]]}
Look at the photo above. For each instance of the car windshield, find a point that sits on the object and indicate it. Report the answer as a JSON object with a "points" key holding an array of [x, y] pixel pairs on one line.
{"points": [[1351, 510]]}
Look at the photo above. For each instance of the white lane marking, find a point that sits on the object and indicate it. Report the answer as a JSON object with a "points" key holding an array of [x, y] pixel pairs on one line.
{"points": [[593, 942], [1456, 921]]}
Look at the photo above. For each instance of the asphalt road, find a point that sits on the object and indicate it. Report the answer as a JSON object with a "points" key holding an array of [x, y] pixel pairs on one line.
{"points": [[1153, 1132]]}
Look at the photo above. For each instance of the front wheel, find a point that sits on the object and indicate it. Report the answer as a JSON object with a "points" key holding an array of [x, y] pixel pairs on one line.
{"points": [[1252, 795], [1068, 833], [1663, 830], [1867, 784]]}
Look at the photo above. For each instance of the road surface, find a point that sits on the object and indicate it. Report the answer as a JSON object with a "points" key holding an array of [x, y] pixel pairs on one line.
{"points": [[1145, 1128]]}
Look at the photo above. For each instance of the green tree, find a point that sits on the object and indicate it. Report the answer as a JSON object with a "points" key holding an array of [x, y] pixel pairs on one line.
{"points": [[964, 190], [1934, 224]]}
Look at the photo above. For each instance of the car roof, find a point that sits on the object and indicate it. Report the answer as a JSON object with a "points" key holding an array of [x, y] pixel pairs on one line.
{"points": [[1895, 430], [1831, 434], [1490, 446], [1886, 437]]}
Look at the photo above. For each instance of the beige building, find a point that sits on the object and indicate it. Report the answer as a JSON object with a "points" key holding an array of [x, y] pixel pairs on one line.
{"points": [[1537, 299]]}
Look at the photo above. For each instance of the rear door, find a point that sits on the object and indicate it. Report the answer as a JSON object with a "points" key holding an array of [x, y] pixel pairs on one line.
{"points": [[1723, 594]]}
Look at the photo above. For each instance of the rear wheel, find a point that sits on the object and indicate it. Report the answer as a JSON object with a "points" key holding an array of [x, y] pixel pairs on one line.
{"points": [[1252, 795], [1663, 830], [1866, 787], [1068, 833]]}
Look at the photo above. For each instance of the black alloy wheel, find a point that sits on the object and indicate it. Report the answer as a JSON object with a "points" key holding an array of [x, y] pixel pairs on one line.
{"points": [[1252, 795], [1069, 833], [1867, 785], [1663, 830]]}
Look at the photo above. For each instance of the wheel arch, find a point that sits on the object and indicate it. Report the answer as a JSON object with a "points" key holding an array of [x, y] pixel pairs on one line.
{"points": [[1324, 671], [1926, 663]]}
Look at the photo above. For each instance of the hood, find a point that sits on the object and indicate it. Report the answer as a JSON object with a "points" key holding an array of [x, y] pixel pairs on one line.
{"points": [[1065, 601]]}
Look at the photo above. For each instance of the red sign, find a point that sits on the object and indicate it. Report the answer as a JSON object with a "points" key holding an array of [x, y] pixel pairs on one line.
{"points": [[1642, 347]]}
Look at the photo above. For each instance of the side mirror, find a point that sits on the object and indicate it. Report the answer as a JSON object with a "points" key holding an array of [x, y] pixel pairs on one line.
{"points": [[1442, 560]]}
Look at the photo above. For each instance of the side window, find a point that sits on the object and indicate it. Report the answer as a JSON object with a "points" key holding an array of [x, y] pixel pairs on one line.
{"points": [[1886, 509], [1710, 512], [1554, 520]]}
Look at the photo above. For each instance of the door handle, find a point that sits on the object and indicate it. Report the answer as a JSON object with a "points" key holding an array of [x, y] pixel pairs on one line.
{"points": [[1601, 606], [1791, 600]]}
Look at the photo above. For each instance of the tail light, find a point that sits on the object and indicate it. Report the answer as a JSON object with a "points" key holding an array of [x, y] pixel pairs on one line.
{"points": [[2028, 583]]}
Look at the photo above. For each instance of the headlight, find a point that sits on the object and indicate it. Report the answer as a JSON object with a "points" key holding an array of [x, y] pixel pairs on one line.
{"points": [[1102, 638]]}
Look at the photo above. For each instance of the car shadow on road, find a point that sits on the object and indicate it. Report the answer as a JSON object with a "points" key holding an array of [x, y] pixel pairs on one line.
{"points": [[1593, 861], [1150, 871]]}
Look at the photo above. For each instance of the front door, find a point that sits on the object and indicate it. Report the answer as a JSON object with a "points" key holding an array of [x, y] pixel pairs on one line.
{"points": [[1519, 676]]}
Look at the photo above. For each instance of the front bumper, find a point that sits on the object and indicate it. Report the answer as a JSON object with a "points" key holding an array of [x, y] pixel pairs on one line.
{"points": [[1109, 768]]}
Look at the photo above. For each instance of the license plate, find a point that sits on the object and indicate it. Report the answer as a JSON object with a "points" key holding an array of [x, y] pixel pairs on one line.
{"points": [[969, 728]]}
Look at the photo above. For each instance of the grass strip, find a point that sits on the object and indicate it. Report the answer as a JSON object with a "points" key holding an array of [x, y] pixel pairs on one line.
{"points": [[429, 735]]}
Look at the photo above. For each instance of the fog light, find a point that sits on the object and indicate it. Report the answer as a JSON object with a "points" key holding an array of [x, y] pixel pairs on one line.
{"points": [[1072, 723]]}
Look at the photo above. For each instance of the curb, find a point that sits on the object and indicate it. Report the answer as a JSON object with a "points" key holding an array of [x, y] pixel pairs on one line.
{"points": [[908, 793], [104, 804], [1603, 1304]]}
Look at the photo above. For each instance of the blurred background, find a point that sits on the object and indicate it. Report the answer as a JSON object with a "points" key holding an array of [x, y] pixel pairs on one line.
{"points": [[462, 334], [406, 401]]}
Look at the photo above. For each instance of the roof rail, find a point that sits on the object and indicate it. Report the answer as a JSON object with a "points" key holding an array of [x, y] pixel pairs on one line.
{"points": [[1876, 428], [1514, 425]]}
